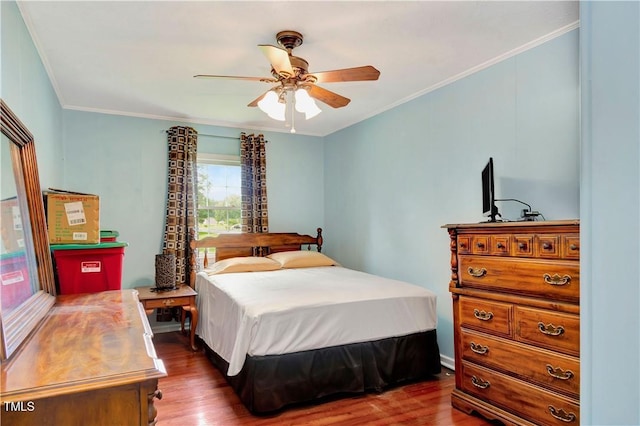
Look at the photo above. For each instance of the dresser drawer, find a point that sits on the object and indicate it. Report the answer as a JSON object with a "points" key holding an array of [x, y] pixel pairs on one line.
{"points": [[522, 245], [167, 303], [552, 330], [519, 397], [571, 246], [500, 245], [495, 245], [562, 246], [551, 279], [487, 315], [480, 244], [549, 369], [547, 245]]}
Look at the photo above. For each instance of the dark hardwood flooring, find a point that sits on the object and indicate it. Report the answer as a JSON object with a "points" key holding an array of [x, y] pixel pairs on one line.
{"points": [[195, 393]]}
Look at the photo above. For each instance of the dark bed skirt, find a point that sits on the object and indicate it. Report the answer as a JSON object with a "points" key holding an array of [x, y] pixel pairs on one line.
{"points": [[269, 383]]}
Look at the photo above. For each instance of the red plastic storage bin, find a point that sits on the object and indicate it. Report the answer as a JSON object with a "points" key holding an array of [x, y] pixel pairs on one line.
{"points": [[15, 285], [88, 268], [108, 236]]}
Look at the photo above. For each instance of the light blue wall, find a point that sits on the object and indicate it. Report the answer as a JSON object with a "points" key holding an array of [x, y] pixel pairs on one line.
{"points": [[610, 207], [124, 161], [392, 181], [25, 87]]}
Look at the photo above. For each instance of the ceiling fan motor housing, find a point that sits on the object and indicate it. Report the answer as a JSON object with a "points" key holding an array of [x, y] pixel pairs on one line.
{"points": [[289, 39], [301, 64]]}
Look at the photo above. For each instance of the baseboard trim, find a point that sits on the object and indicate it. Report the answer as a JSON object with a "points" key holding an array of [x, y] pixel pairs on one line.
{"points": [[448, 362]]}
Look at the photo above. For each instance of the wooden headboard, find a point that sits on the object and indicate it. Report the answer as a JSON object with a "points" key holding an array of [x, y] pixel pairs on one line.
{"points": [[235, 245]]}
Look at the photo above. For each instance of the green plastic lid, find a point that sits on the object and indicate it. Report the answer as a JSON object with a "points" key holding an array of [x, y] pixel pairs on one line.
{"points": [[113, 244], [105, 233]]}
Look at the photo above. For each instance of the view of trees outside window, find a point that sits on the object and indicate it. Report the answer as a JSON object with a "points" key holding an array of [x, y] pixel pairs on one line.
{"points": [[218, 198]]}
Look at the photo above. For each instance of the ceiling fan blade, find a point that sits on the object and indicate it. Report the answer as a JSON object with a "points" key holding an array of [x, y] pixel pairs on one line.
{"points": [[332, 99], [254, 103], [278, 58], [348, 74], [233, 77]]}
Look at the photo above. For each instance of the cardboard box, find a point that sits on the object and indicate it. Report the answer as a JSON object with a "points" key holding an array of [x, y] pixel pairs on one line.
{"points": [[72, 217]]}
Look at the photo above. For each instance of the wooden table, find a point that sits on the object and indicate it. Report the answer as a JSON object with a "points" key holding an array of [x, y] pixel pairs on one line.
{"points": [[184, 296]]}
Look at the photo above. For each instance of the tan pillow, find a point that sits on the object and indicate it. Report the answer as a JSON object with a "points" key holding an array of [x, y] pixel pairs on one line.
{"points": [[242, 264], [302, 259]]}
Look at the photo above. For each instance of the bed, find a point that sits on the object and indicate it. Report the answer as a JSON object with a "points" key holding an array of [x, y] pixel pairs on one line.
{"points": [[286, 324]]}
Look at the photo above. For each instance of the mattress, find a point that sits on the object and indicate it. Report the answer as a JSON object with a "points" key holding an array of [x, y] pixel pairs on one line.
{"points": [[292, 310]]}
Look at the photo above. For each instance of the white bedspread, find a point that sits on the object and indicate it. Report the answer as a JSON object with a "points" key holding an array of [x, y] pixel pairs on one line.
{"points": [[291, 310]]}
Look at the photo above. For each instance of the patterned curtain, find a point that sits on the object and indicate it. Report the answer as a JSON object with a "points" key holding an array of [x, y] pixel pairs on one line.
{"points": [[253, 160], [181, 220]]}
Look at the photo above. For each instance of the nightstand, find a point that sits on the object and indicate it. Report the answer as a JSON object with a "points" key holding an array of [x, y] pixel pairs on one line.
{"points": [[183, 296]]}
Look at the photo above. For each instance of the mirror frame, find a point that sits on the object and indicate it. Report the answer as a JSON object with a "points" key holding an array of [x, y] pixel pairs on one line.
{"points": [[18, 324]]}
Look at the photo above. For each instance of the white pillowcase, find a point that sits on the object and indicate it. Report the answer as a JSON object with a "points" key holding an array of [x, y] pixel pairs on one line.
{"points": [[243, 264], [301, 259]]}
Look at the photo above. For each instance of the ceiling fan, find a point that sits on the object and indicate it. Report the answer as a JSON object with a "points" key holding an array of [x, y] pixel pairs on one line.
{"points": [[290, 73]]}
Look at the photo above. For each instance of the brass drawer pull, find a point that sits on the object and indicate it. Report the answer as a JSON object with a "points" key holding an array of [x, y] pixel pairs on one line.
{"points": [[500, 245], [479, 383], [522, 246], [559, 373], [482, 315], [168, 302], [480, 245], [573, 247], [556, 279], [547, 246], [477, 272], [479, 349], [562, 415], [550, 329]]}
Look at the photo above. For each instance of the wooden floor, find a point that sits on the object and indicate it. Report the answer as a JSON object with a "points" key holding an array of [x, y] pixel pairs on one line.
{"points": [[195, 393]]}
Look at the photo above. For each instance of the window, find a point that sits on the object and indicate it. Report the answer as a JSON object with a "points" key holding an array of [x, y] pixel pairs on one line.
{"points": [[219, 198]]}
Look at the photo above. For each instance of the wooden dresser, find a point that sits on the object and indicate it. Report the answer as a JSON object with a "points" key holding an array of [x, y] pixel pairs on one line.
{"points": [[90, 362], [516, 294]]}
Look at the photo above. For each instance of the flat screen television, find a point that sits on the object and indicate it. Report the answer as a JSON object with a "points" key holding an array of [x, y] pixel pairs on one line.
{"points": [[489, 208]]}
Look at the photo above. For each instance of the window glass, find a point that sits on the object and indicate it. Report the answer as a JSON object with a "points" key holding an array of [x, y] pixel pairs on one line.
{"points": [[219, 197]]}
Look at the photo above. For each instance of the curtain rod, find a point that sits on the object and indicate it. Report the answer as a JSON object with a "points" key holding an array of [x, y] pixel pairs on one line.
{"points": [[219, 136], [214, 136]]}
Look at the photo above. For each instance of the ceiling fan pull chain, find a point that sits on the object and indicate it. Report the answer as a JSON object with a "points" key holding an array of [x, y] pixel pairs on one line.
{"points": [[293, 111]]}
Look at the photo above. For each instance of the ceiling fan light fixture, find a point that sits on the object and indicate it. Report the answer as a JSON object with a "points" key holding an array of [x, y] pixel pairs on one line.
{"points": [[305, 104], [271, 105]]}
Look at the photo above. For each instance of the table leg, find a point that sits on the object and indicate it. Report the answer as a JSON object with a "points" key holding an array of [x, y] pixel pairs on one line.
{"points": [[194, 322]]}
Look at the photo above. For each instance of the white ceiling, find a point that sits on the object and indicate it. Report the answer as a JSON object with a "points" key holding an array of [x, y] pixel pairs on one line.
{"points": [[139, 58]]}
